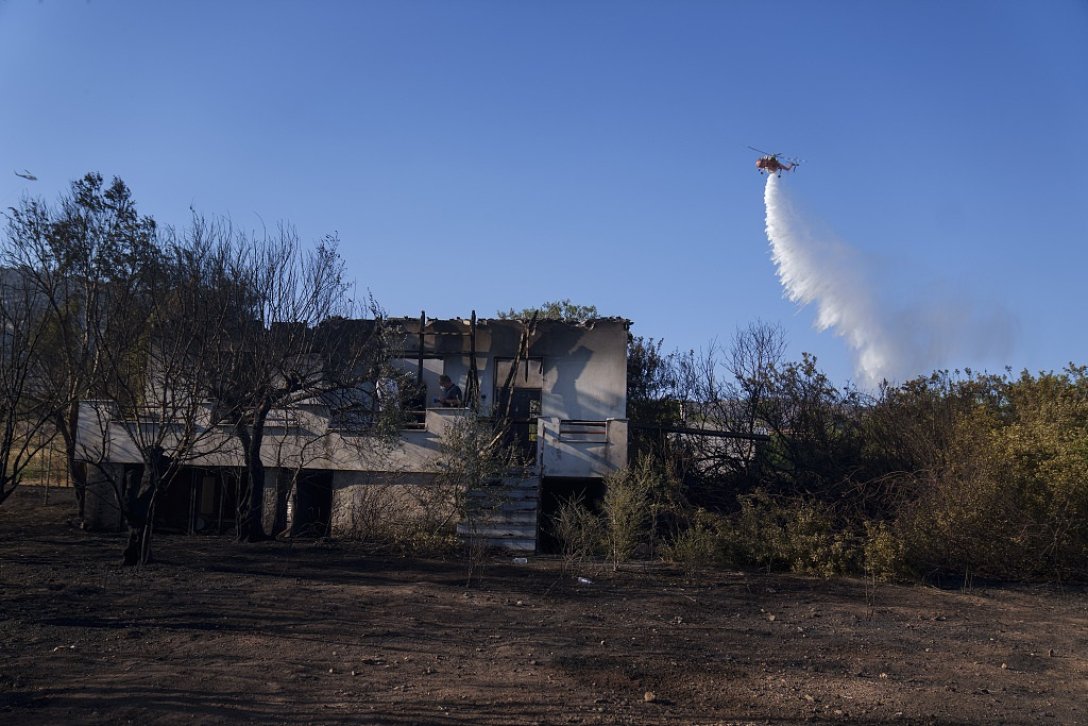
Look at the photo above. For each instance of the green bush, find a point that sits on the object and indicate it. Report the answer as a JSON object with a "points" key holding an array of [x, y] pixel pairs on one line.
{"points": [[885, 553], [626, 508], [797, 535], [579, 531], [699, 544], [1007, 496]]}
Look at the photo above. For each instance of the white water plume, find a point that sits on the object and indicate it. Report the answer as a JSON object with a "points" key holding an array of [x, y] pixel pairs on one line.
{"points": [[889, 340]]}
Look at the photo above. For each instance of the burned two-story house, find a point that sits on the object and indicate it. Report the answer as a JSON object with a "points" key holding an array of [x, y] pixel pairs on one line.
{"points": [[554, 391]]}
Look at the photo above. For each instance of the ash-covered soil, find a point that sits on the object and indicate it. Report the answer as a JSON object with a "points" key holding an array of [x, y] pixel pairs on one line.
{"points": [[324, 633]]}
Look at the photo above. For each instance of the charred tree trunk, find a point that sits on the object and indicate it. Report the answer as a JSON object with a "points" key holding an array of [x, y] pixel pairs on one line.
{"points": [[137, 511], [138, 548], [140, 509], [68, 425], [250, 524]]}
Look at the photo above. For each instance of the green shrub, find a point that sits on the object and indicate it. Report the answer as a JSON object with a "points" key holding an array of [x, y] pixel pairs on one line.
{"points": [[626, 509], [699, 544], [885, 553], [992, 477], [788, 534], [579, 531]]}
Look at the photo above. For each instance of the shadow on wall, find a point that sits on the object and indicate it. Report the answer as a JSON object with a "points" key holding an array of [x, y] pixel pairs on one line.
{"points": [[586, 383]]}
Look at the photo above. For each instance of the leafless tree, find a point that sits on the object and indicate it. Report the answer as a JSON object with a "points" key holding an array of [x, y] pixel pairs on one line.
{"points": [[295, 343], [156, 364], [26, 401], [82, 260]]}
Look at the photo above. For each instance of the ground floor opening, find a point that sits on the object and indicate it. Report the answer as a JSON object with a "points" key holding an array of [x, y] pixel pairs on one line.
{"points": [[554, 492]]}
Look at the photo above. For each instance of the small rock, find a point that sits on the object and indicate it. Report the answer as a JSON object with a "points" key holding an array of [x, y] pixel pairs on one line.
{"points": [[331, 670], [771, 618], [649, 697], [883, 676], [1004, 666], [1050, 653]]}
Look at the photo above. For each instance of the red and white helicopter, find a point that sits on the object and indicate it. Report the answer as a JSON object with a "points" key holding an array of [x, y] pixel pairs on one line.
{"points": [[771, 164]]}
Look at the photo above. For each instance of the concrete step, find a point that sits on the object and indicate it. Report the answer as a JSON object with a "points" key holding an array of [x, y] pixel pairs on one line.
{"points": [[527, 483], [502, 495], [496, 501], [505, 515], [526, 546], [501, 514], [522, 484], [514, 517], [500, 531]]}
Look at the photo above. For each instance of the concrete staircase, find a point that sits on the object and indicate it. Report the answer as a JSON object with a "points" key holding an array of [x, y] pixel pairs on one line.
{"points": [[504, 516]]}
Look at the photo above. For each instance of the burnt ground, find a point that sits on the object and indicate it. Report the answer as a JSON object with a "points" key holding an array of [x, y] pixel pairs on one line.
{"points": [[325, 633]]}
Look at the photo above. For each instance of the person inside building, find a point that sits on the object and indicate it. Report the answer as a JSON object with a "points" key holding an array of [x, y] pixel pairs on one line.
{"points": [[451, 393]]}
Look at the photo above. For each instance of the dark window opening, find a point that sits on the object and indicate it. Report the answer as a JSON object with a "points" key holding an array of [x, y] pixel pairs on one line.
{"points": [[197, 501], [554, 492], [312, 512]]}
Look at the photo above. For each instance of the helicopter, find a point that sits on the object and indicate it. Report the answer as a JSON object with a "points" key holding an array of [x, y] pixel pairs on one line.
{"points": [[26, 175], [771, 164]]}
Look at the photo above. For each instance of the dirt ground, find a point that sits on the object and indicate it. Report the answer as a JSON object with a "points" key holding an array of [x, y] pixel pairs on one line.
{"points": [[323, 633]]}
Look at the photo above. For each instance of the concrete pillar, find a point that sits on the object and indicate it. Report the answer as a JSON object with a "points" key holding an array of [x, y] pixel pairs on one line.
{"points": [[101, 511]]}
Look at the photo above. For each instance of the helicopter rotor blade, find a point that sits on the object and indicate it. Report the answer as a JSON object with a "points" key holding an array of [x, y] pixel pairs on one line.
{"points": [[761, 151]]}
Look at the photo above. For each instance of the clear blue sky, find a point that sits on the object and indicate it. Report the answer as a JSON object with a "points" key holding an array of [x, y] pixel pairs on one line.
{"points": [[487, 155]]}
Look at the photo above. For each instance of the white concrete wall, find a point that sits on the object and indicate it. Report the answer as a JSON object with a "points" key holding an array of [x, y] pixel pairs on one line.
{"points": [[375, 504], [585, 371], [584, 378], [585, 368], [101, 510], [581, 455]]}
